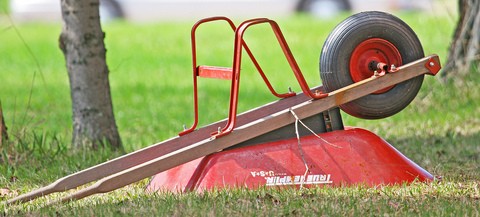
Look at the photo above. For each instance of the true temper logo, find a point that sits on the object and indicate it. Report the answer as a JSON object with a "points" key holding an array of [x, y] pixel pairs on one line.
{"points": [[298, 180]]}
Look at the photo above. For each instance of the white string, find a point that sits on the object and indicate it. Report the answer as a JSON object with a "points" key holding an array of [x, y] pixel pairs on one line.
{"points": [[297, 120], [318, 136], [300, 149]]}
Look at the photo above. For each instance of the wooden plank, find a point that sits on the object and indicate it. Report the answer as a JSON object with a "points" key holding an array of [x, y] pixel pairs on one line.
{"points": [[186, 152], [143, 155]]}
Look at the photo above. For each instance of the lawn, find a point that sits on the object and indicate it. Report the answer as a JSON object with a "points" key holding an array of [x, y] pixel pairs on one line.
{"points": [[151, 87]]}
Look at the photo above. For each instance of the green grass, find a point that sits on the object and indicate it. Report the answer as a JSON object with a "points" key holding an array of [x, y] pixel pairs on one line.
{"points": [[151, 88], [4, 7]]}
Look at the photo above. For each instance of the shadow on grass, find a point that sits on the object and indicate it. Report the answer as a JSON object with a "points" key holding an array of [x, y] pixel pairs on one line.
{"points": [[452, 156]]}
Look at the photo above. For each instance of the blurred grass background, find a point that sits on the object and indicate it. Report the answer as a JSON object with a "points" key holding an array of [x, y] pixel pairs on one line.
{"points": [[4, 6]]}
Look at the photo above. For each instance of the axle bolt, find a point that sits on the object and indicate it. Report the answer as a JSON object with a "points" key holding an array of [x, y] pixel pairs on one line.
{"points": [[393, 67]]}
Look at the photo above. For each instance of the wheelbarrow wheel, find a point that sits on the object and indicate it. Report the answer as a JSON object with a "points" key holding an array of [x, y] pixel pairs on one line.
{"points": [[358, 42]]}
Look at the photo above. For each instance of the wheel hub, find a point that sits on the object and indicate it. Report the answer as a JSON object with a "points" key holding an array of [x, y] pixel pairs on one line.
{"points": [[368, 54]]}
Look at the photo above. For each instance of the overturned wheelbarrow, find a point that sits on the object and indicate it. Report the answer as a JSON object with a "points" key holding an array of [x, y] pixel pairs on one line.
{"points": [[323, 152], [372, 66]]}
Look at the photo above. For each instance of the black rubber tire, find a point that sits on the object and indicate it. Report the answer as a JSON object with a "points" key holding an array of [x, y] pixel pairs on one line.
{"points": [[337, 50]]}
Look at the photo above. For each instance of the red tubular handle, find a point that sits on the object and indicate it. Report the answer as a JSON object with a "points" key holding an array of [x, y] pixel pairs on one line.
{"points": [[234, 73]]}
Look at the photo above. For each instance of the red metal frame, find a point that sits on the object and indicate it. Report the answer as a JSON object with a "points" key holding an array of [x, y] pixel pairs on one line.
{"points": [[234, 73], [433, 66]]}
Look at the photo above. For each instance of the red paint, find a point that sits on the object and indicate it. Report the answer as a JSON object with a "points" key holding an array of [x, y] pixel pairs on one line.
{"points": [[374, 50], [360, 157], [433, 66], [214, 72]]}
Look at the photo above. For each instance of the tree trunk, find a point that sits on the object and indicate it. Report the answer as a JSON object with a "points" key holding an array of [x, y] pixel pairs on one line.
{"points": [[3, 127], [464, 53], [82, 44]]}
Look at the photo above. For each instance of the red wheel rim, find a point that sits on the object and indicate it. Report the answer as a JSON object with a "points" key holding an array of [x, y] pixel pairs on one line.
{"points": [[374, 50]]}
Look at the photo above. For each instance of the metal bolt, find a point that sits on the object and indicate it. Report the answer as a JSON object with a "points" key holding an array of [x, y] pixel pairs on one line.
{"points": [[393, 67], [219, 129], [432, 64]]}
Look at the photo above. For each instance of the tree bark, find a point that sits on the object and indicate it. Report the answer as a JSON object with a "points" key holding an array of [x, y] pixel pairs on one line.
{"points": [[82, 44], [464, 52], [3, 127]]}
